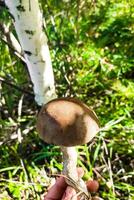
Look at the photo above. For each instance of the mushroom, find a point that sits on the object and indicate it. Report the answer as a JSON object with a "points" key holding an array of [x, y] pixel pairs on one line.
{"points": [[68, 122]]}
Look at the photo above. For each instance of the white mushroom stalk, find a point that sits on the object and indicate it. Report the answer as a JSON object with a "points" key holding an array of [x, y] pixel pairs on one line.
{"points": [[70, 171], [70, 162], [28, 24]]}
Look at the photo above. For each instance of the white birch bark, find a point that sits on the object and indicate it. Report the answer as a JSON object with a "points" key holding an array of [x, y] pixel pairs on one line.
{"points": [[28, 24]]}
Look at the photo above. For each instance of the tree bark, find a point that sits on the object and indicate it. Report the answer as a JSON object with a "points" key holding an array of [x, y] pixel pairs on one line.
{"points": [[28, 24]]}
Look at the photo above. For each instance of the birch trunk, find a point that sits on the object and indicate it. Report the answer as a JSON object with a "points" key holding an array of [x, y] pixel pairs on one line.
{"points": [[28, 24]]}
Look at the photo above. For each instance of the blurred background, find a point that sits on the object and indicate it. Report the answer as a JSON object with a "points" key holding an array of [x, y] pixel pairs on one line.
{"points": [[92, 50]]}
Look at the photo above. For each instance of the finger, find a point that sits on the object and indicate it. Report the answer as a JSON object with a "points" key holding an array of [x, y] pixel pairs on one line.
{"points": [[57, 190], [69, 194], [80, 172], [92, 185]]}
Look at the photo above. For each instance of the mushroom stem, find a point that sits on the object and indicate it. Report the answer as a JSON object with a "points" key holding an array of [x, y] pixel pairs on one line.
{"points": [[70, 162], [70, 170]]}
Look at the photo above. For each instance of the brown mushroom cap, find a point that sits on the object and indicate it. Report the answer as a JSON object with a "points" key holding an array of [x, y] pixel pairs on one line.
{"points": [[67, 122]]}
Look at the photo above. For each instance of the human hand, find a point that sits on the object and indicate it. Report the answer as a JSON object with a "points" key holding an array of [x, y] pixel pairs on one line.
{"points": [[61, 191]]}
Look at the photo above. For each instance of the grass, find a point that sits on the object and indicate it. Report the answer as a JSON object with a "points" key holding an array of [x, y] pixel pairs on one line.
{"points": [[26, 168], [92, 54]]}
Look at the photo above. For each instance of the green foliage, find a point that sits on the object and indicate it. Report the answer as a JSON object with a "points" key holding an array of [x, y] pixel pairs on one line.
{"points": [[92, 50]]}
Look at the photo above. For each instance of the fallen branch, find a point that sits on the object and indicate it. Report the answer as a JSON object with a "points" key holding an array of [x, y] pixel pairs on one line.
{"points": [[15, 86]]}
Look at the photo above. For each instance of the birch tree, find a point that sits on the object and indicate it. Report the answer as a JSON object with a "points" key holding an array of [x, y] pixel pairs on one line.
{"points": [[28, 20]]}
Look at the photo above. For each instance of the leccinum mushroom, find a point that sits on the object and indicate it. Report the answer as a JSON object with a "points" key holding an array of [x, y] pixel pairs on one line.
{"points": [[68, 122]]}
